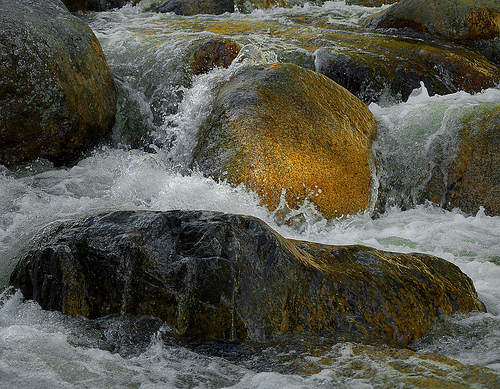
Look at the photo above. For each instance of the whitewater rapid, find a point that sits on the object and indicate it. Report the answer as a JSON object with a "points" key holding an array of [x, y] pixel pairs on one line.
{"points": [[40, 349]]}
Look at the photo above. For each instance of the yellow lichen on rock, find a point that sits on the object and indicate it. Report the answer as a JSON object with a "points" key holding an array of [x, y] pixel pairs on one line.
{"points": [[281, 128]]}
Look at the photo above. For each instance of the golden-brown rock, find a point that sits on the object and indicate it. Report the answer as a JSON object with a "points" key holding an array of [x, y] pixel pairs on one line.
{"points": [[214, 53], [281, 128]]}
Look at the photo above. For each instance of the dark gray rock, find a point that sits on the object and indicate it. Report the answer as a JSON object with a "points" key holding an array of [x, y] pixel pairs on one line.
{"points": [[214, 275]]}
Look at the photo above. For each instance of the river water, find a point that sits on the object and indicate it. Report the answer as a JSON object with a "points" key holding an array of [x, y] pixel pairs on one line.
{"points": [[146, 51]]}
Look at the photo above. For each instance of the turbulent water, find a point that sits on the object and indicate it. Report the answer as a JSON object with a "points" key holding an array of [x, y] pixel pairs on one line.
{"points": [[40, 349]]}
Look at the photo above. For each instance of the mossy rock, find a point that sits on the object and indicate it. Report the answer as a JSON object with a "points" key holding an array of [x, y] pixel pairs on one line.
{"points": [[392, 67], [452, 19], [279, 128], [58, 94]]}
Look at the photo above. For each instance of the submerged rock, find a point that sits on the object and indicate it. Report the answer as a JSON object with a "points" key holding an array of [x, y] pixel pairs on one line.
{"points": [[281, 128], [452, 19], [57, 93], [214, 275]]}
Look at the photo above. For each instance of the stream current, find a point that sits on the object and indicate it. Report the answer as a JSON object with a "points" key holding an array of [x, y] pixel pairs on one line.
{"points": [[41, 349]]}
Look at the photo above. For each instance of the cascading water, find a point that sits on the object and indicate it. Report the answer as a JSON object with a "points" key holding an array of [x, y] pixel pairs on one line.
{"points": [[146, 52]]}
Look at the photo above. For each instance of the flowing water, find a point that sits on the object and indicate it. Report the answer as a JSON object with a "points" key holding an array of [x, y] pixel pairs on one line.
{"points": [[147, 51]]}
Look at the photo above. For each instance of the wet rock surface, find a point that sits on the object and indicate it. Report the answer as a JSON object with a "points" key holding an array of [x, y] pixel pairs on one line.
{"points": [[219, 276], [58, 95], [371, 3], [213, 53], [451, 19], [214, 7], [391, 67], [194, 7], [472, 179]]}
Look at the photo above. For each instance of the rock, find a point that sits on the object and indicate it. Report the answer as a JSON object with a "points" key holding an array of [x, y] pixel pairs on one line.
{"points": [[472, 179], [215, 275], [281, 127], [58, 95], [490, 48], [95, 5], [214, 53], [408, 369], [451, 19], [195, 7], [371, 3], [392, 67]]}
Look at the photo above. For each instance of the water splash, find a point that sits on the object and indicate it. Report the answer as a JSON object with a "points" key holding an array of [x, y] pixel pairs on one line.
{"points": [[418, 136]]}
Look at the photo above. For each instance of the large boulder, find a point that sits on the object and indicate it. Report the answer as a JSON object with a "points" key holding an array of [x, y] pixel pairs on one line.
{"points": [[281, 128], [214, 275], [472, 179], [453, 19], [57, 94]]}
